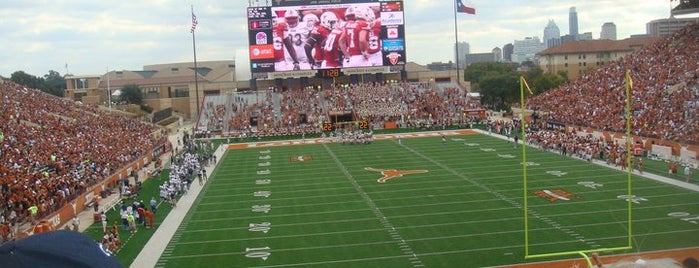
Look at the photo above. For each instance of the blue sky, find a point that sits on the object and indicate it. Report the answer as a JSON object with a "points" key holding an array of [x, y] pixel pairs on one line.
{"points": [[91, 36]]}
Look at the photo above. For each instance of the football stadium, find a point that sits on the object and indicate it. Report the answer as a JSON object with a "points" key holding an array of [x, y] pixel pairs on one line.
{"points": [[337, 152]]}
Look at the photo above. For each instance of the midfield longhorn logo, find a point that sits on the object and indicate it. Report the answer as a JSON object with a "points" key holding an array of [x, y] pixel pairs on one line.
{"points": [[394, 173]]}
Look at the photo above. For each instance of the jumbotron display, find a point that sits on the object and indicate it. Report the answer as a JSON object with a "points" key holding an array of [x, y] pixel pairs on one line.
{"points": [[322, 37]]}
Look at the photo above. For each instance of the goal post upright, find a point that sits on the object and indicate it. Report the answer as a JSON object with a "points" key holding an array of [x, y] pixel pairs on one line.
{"points": [[629, 85], [629, 246], [524, 165]]}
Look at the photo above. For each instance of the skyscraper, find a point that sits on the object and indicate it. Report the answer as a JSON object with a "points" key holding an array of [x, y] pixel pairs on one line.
{"points": [[526, 49], [573, 22], [462, 48], [507, 50], [608, 31], [552, 35]]}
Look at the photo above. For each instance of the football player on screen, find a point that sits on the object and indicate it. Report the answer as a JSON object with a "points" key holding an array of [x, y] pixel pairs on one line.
{"points": [[296, 34], [354, 39], [318, 46], [282, 45], [374, 55]]}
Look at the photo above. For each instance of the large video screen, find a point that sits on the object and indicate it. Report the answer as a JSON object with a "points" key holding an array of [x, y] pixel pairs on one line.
{"points": [[307, 36]]}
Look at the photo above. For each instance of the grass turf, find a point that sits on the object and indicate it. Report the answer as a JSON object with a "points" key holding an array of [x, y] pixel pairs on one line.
{"points": [[465, 211]]}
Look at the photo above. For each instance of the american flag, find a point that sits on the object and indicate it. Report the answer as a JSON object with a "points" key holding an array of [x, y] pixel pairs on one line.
{"points": [[195, 21]]}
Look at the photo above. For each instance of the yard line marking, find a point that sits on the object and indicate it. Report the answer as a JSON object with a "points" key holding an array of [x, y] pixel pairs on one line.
{"points": [[367, 199], [475, 183]]}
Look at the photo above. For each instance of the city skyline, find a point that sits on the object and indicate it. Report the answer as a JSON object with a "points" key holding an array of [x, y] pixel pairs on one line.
{"points": [[89, 37]]}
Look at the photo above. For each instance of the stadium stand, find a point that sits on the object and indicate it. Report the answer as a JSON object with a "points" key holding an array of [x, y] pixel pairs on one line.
{"points": [[665, 97], [53, 149], [293, 112]]}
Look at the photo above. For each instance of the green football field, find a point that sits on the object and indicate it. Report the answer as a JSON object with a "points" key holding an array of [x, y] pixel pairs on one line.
{"points": [[459, 204]]}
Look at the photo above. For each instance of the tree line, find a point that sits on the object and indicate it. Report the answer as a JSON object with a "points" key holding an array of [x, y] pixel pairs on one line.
{"points": [[52, 83], [498, 82]]}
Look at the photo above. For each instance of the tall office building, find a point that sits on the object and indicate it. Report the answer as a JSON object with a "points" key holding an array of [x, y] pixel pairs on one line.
{"points": [[573, 22], [462, 49], [497, 54], [608, 31], [526, 49], [552, 35], [665, 27], [507, 50]]}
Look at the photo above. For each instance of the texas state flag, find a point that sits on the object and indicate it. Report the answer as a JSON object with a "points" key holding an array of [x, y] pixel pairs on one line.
{"points": [[461, 8]]}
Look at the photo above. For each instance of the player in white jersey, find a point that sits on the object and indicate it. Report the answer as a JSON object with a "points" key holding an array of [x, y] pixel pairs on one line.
{"points": [[297, 33]]}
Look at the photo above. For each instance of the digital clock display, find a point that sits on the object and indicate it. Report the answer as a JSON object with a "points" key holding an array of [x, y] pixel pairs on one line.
{"points": [[329, 73]]}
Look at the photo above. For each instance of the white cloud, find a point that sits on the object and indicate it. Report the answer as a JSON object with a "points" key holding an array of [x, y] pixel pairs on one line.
{"points": [[89, 35]]}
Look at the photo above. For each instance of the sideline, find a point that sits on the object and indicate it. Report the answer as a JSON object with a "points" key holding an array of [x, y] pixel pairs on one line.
{"points": [[651, 176], [154, 248]]}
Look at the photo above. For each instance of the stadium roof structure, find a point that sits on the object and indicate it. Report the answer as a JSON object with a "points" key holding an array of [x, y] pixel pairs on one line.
{"points": [[686, 7], [604, 45]]}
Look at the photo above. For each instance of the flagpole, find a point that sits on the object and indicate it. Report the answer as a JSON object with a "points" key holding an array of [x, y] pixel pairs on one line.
{"points": [[109, 91], [456, 44], [194, 47]]}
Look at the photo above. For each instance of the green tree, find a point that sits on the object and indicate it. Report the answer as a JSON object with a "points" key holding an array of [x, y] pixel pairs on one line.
{"points": [[131, 94], [542, 82], [499, 91], [54, 83], [28, 80], [477, 71]]}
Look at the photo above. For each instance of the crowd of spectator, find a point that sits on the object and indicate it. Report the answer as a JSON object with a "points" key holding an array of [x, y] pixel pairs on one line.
{"points": [[53, 149], [664, 97], [299, 112]]}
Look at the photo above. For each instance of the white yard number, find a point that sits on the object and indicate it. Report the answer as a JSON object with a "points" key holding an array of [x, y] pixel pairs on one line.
{"points": [[261, 208], [557, 173], [590, 184], [260, 227], [263, 181], [685, 217], [262, 253], [634, 199], [264, 194]]}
